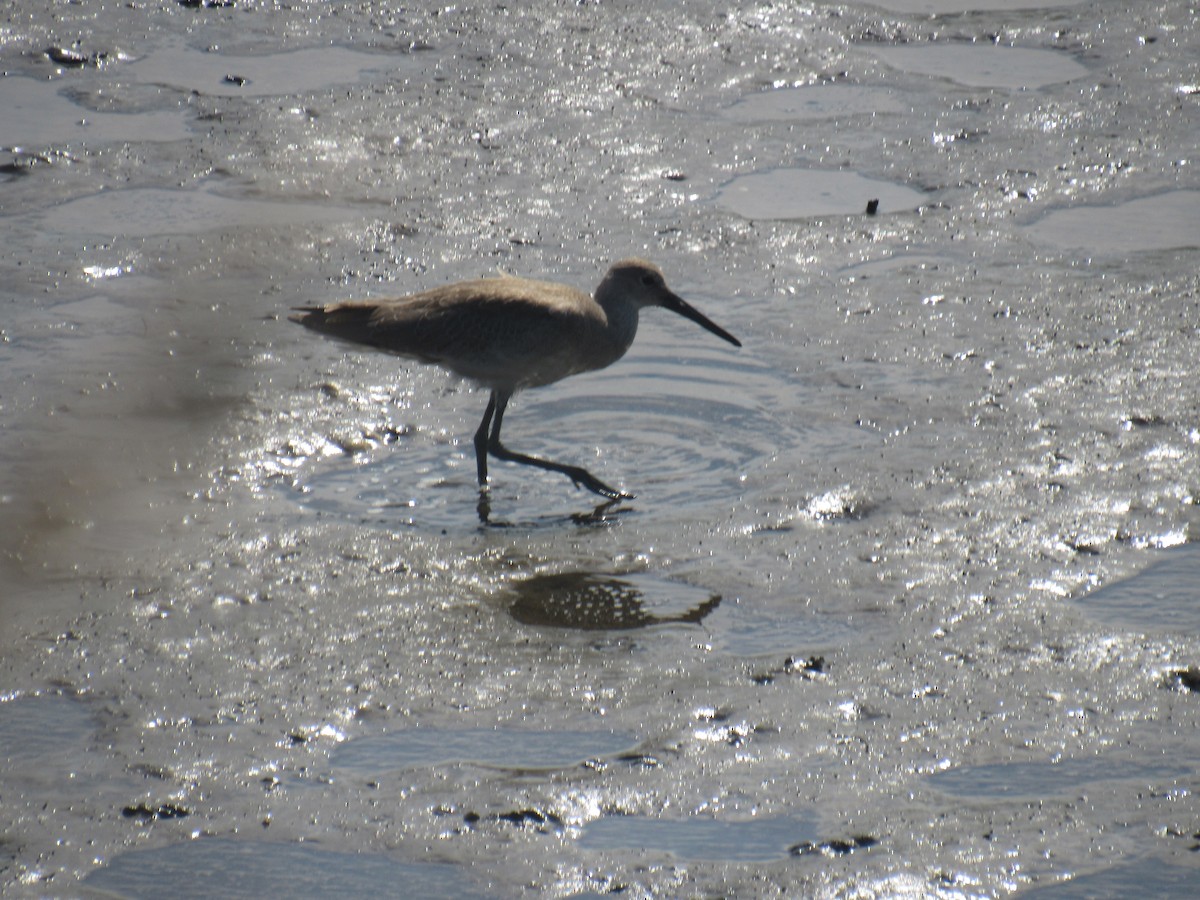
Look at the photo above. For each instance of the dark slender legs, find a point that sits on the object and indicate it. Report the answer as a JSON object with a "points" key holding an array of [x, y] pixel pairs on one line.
{"points": [[481, 439], [487, 440]]}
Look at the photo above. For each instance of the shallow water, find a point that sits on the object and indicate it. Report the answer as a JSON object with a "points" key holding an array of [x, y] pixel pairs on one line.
{"points": [[802, 193], [39, 114], [175, 64], [698, 839], [1165, 221], [1013, 68], [152, 212], [250, 869], [902, 606], [559, 749]]}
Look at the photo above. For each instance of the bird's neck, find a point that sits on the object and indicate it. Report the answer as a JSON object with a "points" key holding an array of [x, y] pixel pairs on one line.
{"points": [[622, 325]]}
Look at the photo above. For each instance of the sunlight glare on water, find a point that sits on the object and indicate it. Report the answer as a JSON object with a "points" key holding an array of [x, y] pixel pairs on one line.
{"points": [[901, 605]]}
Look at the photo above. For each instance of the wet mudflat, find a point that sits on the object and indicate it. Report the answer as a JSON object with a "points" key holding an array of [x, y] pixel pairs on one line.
{"points": [[905, 604]]}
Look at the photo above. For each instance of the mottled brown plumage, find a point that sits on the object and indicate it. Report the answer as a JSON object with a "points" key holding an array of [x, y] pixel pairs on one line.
{"points": [[509, 334]]}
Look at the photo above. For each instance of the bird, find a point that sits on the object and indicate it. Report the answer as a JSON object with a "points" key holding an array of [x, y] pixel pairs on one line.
{"points": [[506, 334]]}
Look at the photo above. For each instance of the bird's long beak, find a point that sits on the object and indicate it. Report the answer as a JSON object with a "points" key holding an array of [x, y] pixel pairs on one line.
{"points": [[675, 303]]}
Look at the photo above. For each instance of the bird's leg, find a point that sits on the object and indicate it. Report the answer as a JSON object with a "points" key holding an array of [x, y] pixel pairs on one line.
{"points": [[481, 438], [578, 475]]}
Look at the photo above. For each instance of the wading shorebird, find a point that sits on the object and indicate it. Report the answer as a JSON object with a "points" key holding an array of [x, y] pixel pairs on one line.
{"points": [[508, 334]]}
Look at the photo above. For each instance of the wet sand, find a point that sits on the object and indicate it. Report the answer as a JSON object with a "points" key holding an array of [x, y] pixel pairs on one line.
{"points": [[904, 604]]}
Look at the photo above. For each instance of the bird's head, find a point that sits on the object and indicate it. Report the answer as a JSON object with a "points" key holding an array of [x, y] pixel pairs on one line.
{"points": [[640, 284]]}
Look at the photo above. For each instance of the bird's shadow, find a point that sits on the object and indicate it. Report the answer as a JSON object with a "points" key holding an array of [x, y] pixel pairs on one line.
{"points": [[604, 513]]}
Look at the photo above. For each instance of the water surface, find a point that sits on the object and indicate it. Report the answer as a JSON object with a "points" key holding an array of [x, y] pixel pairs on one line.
{"points": [[901, 604]]}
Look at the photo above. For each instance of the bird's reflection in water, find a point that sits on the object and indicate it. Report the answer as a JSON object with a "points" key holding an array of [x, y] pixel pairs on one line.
{"points": [[593, 601]]}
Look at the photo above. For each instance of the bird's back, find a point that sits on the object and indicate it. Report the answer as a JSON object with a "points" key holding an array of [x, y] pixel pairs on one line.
{"points": [[505, 332]]}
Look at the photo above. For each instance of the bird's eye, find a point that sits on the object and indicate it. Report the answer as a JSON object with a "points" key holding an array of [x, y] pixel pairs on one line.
{"points": [[648, 280]]}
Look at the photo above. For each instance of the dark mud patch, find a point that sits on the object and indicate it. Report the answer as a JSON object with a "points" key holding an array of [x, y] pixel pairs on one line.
{"points": [[541, 821], [1186, 680], [150, 812], [811, 668], [834, 848]]}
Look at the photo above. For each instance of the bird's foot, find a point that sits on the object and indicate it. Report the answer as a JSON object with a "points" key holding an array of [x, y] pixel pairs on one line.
{"points": [[579, 475], [584, 478]]}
